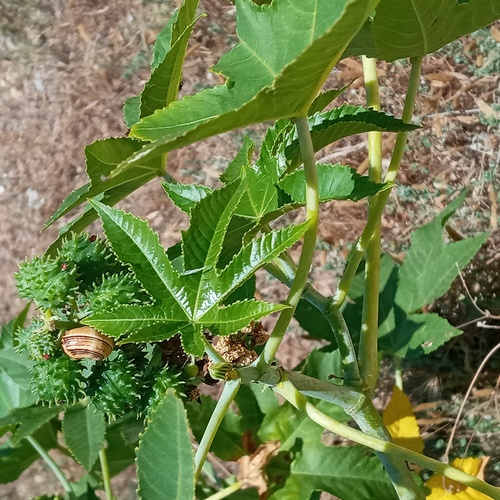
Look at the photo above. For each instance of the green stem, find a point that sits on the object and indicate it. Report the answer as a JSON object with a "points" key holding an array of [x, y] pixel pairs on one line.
{"points": [[212, 353], [377, 208], [293, 396], [226, 491], [228, 394], [106, 478], [53, 466], [285, 272], [308, 246], [368, 344]]}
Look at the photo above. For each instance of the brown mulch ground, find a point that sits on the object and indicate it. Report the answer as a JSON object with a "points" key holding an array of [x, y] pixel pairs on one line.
{"points": [[66, 68]]}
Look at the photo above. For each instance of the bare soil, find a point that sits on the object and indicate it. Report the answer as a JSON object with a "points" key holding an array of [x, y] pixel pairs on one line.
{"points": [[65, 69]]}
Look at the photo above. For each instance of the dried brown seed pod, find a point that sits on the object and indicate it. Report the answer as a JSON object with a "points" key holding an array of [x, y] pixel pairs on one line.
{"points": [[87, 343]]}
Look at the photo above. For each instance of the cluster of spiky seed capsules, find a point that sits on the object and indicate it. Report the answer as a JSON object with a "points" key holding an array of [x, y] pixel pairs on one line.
{"points": [[72, 362]]}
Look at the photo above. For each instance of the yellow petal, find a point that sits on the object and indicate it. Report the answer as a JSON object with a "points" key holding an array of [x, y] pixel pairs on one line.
{"points": [[443, 488], [401, 422]]}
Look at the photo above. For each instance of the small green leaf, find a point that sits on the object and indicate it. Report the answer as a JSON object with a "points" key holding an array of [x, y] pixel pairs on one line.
{"points": [[260, 197], [185, 196], [344, 121], [84, 429], [311, 320], [255, 255], [132, 110], [229, 319], [242, 159], [165, 465], [336, 182]]}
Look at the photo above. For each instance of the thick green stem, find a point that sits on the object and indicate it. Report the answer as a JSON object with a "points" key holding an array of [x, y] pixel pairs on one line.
{"points": [[293, 396], [285, 271], [377, 208], [228, 394], [308, 246], [368, 344], [53, 466], [106, 478]]}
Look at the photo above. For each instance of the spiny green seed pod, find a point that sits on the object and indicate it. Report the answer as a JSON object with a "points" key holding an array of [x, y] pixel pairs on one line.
{"points": [[92, 257], [115, 389], [47, 281], [23, 337], [164, 380], [58, 380], [43, 344], [114, 290]]}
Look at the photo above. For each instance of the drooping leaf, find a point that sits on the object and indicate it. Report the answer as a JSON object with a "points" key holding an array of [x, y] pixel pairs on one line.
{"points": [[443, 488], [336, 182], [412, 28], [185, 196], [228, 443], [168, 55], [342, 122], [401, 423], [29, 420], [343, 471], [84, 429], [165, 465], [260, 87]]}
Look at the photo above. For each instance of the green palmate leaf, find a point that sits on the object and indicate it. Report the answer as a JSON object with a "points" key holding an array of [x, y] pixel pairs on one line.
{"points": [[263, 84], [84, 429], [340, 471], [242, 159], [336, 182], [430, 266], [412, 28], [14, 381], [231, 318], [342, 122], [228, 443], [15, 460], [102, 157], [185, 196], [255, 255], [29, 420], [165, 465], [168, 56], [137, 245]]}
